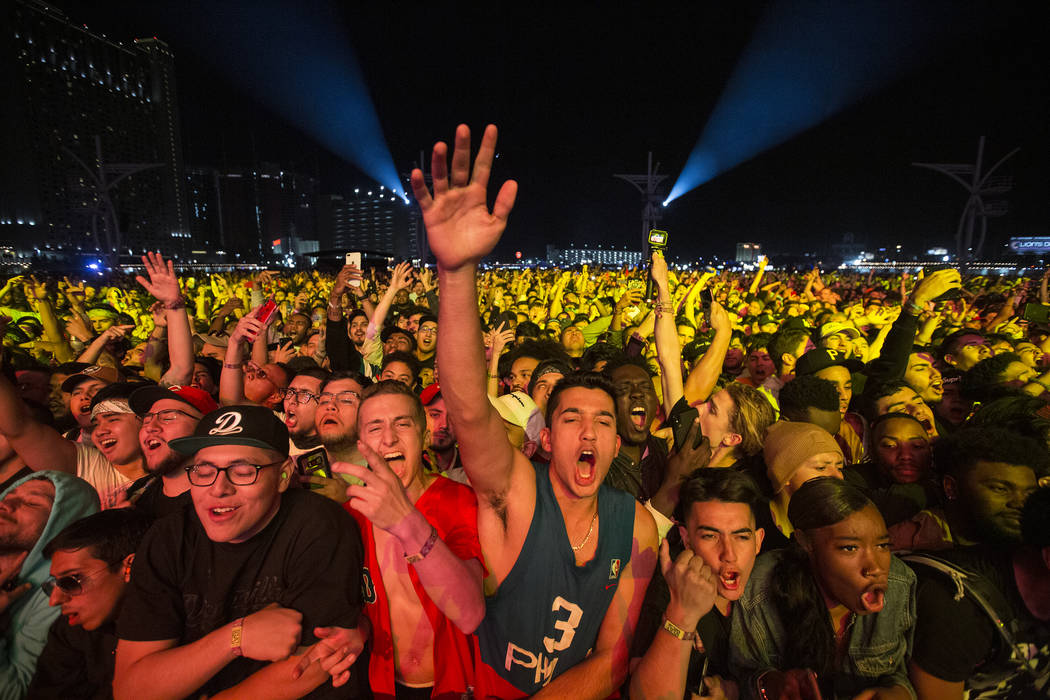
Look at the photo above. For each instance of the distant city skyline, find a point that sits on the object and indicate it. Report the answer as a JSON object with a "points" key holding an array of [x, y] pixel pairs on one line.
{"points": [[588, 93]]}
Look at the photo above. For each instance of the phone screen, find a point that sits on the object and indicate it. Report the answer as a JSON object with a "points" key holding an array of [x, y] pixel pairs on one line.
{"points": [[355, 260]]}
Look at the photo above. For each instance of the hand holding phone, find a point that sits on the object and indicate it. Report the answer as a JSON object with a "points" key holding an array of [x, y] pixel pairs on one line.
{"points": [[355, 260]]}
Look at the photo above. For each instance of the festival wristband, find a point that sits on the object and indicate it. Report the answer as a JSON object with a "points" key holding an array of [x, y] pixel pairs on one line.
{"points": [[425, 550], [676, 631], [236, 636]]}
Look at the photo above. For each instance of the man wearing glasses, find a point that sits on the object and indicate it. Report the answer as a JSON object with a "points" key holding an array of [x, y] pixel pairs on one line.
{"points": [[300, 409], [32, 511], [229, 590], [167, 414], [90, 567], [337, 415]]}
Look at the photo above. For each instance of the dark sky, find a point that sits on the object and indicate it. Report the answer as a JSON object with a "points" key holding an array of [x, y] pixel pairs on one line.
{"points": [[582, 91]]}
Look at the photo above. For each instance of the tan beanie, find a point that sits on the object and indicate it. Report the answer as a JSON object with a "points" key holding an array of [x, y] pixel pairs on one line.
{"points": [[788, 444]]}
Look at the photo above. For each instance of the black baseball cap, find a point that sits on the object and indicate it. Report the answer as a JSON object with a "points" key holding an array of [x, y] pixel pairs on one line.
{"points": [[250, 426], [822, 358]]}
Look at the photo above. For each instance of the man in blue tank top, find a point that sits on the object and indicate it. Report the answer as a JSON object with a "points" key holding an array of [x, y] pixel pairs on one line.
{"points": [[568, 558]]}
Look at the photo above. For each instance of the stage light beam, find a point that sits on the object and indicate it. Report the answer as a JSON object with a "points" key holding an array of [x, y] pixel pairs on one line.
{"points": [[807, 61], [296, 59]]}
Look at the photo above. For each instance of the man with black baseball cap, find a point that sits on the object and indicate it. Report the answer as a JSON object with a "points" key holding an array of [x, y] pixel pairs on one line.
{"points": [[167, 414], [242, 576], [836, 368]]}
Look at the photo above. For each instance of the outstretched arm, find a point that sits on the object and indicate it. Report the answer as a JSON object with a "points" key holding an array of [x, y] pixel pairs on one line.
{"points": [[702, 379], [461, 231], [668, 350], [398, 280], [163, 284]]}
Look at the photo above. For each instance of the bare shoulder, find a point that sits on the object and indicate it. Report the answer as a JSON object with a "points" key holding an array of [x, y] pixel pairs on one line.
{"points": [[645, 533]]}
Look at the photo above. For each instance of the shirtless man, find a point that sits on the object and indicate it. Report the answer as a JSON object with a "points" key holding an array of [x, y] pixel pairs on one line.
{"points": [[563, 599], [422, 568]]}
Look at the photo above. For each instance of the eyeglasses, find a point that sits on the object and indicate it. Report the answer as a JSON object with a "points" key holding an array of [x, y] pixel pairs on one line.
{"points": [[238, 473], [73, 584], [166, 416], [347, 398], [427, 331], [301, 395]]}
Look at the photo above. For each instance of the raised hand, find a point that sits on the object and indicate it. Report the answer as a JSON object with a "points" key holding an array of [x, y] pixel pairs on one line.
{"points": [[381, 498], [283, 353], [691, 584], [935, 285], [35, 289], [248, 328], [460, 228], [401, 277], [501, 339], [163, 283], [114, 332], [719, 317]]}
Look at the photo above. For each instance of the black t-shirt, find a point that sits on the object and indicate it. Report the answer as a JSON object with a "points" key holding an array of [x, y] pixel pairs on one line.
{"points": [[713, 629], [184, 586], [957, 641], [155, 504], [75, 664]]}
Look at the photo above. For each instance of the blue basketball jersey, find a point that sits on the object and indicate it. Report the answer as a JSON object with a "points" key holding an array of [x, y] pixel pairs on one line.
{"points": [[545, 616]]}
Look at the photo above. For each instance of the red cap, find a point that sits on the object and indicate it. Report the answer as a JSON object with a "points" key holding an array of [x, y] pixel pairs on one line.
{"points": [[430, 393], [143, 399]]}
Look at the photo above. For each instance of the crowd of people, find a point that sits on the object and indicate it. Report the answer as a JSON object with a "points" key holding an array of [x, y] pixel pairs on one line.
{"points": [[505, 483]]}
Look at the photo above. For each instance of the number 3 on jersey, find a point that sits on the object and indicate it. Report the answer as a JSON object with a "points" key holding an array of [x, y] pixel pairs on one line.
{"points": [[567, 627]]}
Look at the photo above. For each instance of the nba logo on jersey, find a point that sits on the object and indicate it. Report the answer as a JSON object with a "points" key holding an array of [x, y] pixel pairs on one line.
{"points": [[614, 569]]}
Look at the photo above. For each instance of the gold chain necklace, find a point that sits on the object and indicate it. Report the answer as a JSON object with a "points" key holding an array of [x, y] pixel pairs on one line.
{"points": [[578, 547]]}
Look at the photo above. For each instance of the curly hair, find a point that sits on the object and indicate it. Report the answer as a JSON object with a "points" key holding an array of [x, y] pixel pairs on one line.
{"points": [[983, 381], [958, 453], [805, 392]]}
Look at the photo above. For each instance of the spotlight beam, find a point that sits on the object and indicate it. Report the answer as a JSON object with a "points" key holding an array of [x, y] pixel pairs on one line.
{"points": [[807, 61]]}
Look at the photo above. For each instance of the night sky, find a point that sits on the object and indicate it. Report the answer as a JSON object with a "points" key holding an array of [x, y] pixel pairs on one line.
{"points": [[583, 91]]}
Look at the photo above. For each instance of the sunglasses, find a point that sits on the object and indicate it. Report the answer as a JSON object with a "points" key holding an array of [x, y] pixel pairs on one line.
{"points": [[72, 584]]}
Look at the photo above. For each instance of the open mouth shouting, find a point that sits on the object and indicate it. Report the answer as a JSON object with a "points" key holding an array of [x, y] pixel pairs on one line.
{"points": [[729, 580], [152, 444], [639, 418], [874, 598], [585, 468], [290, 418]]}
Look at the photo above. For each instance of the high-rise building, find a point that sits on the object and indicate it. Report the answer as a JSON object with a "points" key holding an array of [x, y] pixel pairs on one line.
{"points": [[241, 211], [369, 220], [82, 111], [592, 256], [748, 252]]}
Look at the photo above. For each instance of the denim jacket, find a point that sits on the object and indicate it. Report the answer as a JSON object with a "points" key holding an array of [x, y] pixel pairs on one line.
{"points": [[879, 644]]}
